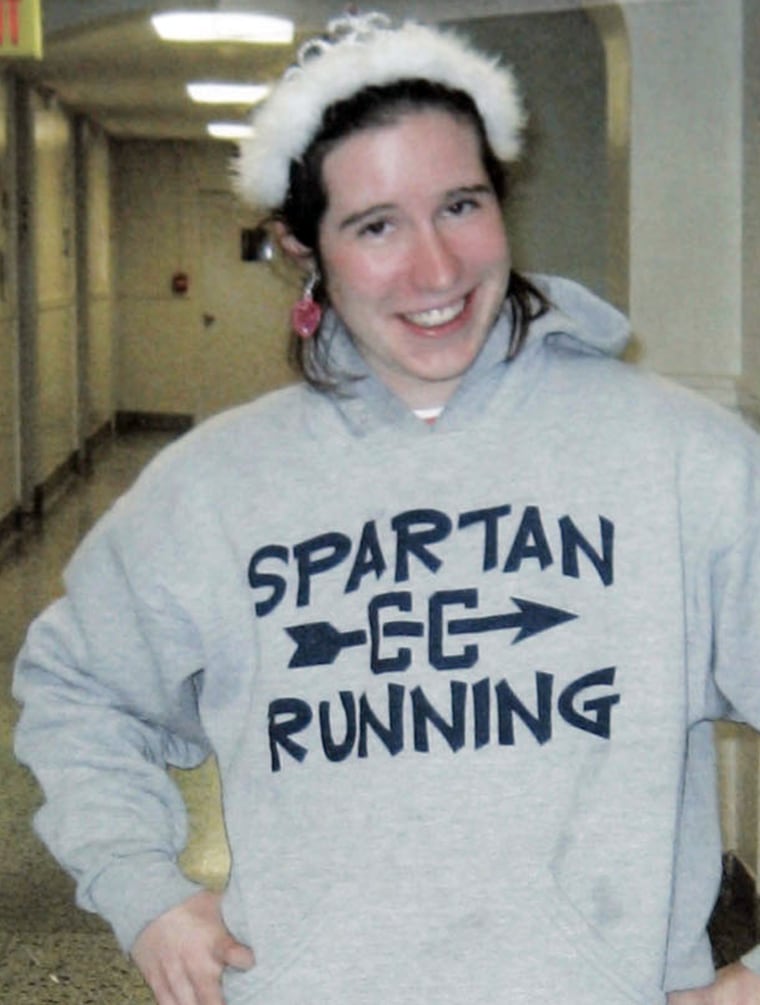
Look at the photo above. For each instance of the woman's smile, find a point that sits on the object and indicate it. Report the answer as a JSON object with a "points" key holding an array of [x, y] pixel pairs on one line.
{"points": [[436, 317]]}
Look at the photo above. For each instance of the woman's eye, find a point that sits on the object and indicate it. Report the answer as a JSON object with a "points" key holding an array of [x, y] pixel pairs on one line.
{"points": [[462, 206], [375, 228]]}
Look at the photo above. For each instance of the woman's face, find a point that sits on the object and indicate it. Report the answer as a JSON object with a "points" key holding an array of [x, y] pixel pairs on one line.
{"points": [[414, 250]]}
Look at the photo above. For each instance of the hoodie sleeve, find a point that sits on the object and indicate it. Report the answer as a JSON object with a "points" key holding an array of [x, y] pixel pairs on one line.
{"points": [[108, 679], [737, 640], [720, 498]]}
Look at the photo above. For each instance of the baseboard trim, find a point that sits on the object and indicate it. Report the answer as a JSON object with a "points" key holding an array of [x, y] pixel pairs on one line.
{"points": [[102, 436], [56, 482], [165, 422], [11, 525]]}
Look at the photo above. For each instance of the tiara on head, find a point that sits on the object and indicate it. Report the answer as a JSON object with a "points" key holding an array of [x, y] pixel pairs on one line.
{"points": [[359, 51]]}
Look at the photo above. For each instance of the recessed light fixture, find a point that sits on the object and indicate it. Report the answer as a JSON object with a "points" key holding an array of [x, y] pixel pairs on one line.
{"points": [[222, 26], [227, 94], [229, 130]]}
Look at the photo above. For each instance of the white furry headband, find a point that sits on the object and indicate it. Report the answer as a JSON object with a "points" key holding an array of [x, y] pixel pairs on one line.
{"points": [[357, 52]]}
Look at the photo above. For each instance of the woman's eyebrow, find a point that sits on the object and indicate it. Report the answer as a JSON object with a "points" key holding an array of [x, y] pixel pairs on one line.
{"points": [[353, 218], [481, 188]]}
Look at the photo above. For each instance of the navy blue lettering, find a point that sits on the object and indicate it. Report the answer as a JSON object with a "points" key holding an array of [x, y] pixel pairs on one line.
{"points": [[334, 546], [530, 542], [481, 703], [598, 722], [269, 580], [298, 715], [338, 751], [490, 520], [392, 735], [507, 704], [402, 601], [415, 530], [423, 712], [369, 557], [468, 656], [573, 541], [346, 732]]}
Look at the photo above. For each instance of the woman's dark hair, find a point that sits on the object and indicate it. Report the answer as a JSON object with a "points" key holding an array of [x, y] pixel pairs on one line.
{"points": [[306, 200]]}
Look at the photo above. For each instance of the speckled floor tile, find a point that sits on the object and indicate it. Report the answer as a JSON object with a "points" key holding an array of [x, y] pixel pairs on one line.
{"points": [[68, 969], [52, 953]]}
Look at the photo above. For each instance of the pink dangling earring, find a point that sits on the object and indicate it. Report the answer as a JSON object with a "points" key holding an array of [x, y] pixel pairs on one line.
{"points": [[306, 313]]}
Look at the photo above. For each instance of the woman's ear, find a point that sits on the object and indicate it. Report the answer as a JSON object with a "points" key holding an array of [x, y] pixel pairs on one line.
{"points": [[298, 253]]}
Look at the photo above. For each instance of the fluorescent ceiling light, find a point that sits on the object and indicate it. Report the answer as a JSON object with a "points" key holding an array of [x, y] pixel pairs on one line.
{"points": [[227, 94], [222, 26], [229, 130]]}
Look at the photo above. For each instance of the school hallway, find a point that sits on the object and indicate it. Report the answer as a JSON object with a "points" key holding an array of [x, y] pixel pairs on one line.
{"points": [[137, 296], [51, 953]]}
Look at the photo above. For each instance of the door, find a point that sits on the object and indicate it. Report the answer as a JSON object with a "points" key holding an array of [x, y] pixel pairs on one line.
{"points": [[245, 308]]}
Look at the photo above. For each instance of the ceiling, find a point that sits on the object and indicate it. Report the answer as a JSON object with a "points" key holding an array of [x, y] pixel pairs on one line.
{"points": [[102, 57], [124, 77]]}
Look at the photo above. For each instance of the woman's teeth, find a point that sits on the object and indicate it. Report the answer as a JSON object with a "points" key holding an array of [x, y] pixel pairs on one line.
{"points": [[436, 316]]}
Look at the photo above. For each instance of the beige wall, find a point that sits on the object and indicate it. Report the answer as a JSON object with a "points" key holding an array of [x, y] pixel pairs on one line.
{"points": [[8, 355], [166, 355], [157, 235], [739, 746], [56, 304], [45, 416], [686, 190], [751, 207], [98, 350]]}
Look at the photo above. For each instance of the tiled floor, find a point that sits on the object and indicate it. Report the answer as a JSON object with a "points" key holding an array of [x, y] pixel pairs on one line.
{"points": [[50, 952]]}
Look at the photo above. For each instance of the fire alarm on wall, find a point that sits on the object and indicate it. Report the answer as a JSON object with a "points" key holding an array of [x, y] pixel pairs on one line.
{"points": [[180, 283]]}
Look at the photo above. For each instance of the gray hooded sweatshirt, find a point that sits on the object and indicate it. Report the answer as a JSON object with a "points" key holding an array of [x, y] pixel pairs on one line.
{"points": [[459, 678]]}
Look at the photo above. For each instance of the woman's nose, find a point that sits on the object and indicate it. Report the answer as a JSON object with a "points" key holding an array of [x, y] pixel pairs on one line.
{"points": [[434, 265]]}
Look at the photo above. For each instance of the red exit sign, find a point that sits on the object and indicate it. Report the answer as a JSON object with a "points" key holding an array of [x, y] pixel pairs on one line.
{"points": [[21, 28]]}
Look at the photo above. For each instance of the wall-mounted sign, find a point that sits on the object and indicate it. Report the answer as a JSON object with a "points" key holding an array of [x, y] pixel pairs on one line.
{"points": [[21, 28]]}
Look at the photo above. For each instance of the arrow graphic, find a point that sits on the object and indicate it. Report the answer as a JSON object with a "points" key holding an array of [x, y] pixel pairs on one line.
{"points": [[319, 643], [531, 619]]}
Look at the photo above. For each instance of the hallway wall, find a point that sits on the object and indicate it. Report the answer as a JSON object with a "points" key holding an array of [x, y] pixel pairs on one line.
{"points": [[157, 226], [751, 205], [56, 367], [686, 190], [98, 237], [8, 314], [166, 355], [55, 350]]}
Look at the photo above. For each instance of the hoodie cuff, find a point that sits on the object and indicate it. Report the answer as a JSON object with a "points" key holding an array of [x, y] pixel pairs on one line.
{"points": [[135, 891]]}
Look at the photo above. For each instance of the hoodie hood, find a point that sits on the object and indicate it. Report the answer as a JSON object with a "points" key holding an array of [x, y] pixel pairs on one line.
{"points": [[579, 320]]}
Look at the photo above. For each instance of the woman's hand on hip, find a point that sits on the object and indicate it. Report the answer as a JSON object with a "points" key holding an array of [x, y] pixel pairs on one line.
{"points": [[183, 953]]}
